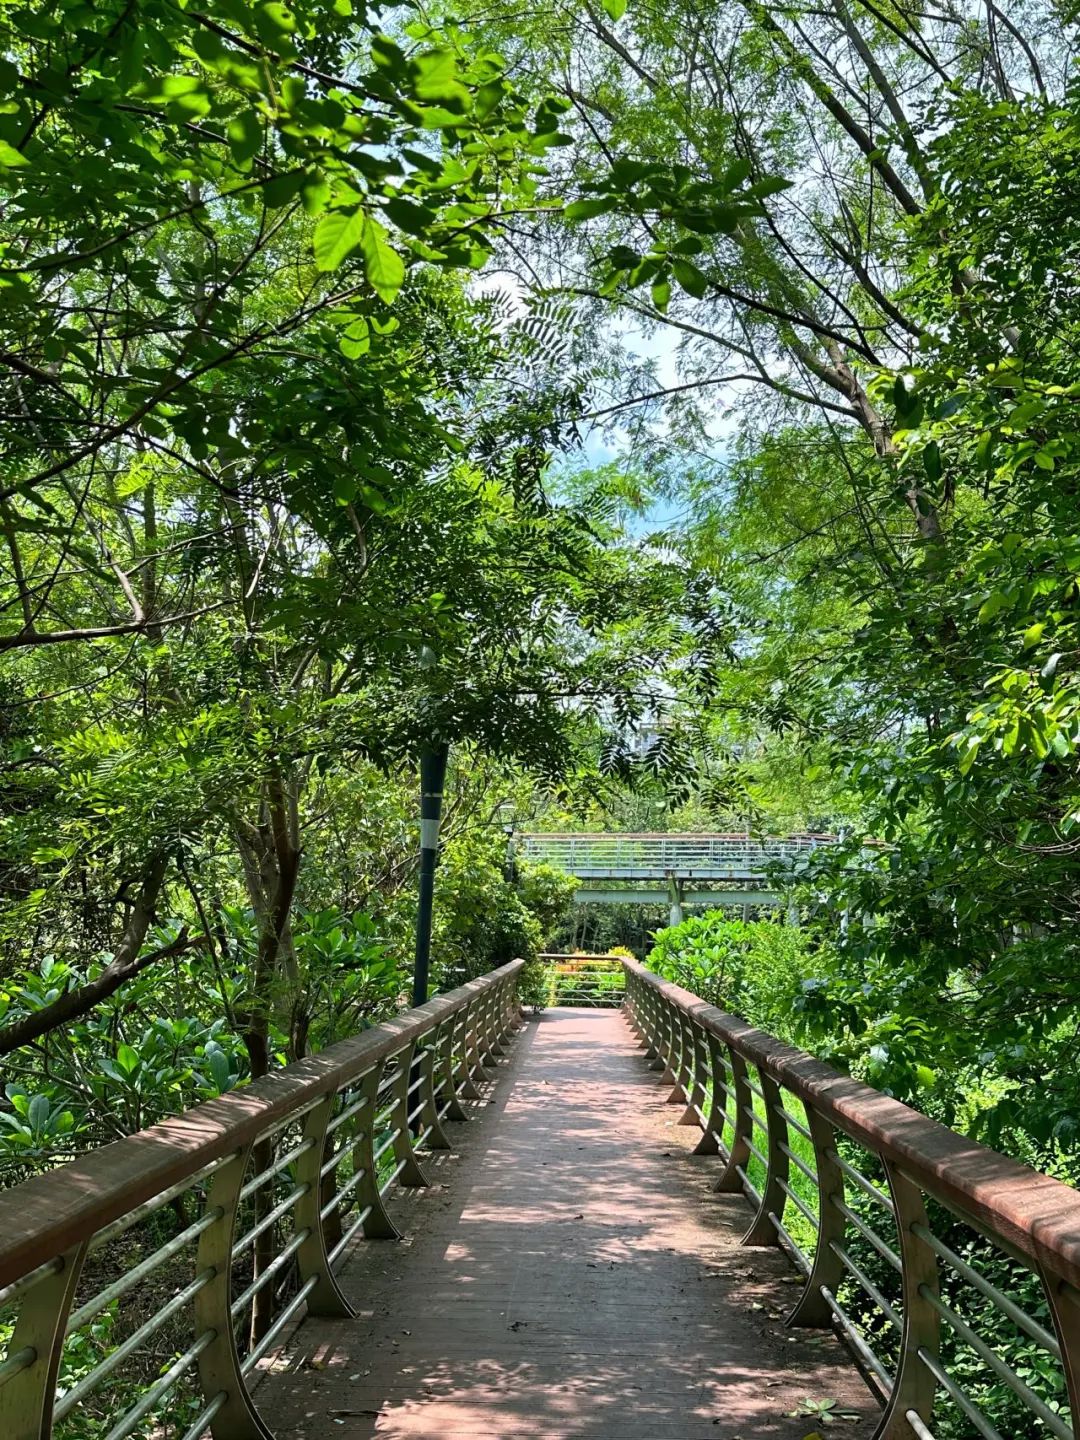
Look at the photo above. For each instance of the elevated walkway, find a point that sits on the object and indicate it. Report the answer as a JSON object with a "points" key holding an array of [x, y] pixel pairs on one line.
{"points": [[568, 1274], [726, 870]]}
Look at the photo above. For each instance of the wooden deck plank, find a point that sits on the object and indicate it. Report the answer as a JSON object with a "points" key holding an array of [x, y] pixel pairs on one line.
{"points": [[570, 1273]]}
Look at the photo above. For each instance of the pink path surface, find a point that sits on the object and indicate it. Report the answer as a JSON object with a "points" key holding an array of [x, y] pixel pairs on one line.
{"points": [[569, 1273]]}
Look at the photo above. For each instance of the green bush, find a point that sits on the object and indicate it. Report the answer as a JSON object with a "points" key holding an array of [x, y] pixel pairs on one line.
{"points": [[753, 968]]}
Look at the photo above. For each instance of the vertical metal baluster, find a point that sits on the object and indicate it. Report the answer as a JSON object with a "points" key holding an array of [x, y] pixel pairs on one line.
{"points": [[490, 1049], [311, 1258], [377, 1224], [650, 1009], [500, 1024], [914, 1387], [503, 1022], [677, 1061], [693, 1072], [762, 1231], [429, 1116], [511, 1007], [730, 1182], [26, 1401], [662, 1038], [446, 1066], [412, 1175], [1064, 1302], [219, 1363], [467, 1040], [811, 1308], [494, 1026], [658, 1029], [714, 1067], [480, 1036], [630, 1008], [672, 1046]]}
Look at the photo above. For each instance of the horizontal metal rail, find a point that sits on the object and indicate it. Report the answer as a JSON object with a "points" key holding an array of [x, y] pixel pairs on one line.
{"points": [[276, 1177], [907, 1288]]}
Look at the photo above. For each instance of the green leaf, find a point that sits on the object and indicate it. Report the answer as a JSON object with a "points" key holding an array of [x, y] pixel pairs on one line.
{"points": [[384, 266], [127, 1059], [586, 209], [616, 9], [1049, 670], [692, 280], [245, 134], [437, 79], [11, 158], [220, 1071], [932, 462], [994, 603], [38, 1113], [337, 235], [283, 188]]}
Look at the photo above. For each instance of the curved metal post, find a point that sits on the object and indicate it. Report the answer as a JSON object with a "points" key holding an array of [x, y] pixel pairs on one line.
{"points": [[681, 1062], [695, 1071], [631, 1006], [311, 1258], [650, 1009], [219, 1363], [762, 1231], [402, 1144], [26, 1401], [490, 1049], [447, 1070], [915, 1386], [713, 1125], [662, 1038], [474, 1063], [1064, 1302], [827, 1271], [430, 1122], [738, 1156], [377, 1224]]}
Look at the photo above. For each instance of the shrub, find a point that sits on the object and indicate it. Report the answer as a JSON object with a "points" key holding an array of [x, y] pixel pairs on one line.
{"points": [[751, 967]]}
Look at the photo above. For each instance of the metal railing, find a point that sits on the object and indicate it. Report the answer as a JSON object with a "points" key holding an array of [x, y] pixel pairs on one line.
{"points": [[652, 857], [952, 1272], [143, 1283]]}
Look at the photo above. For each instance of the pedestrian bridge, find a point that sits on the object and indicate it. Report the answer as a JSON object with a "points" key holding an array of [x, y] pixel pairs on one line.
{"points": [[658, 1224], [696, 869]]}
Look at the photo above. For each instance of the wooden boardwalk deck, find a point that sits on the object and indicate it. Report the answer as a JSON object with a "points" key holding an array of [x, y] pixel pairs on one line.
{"points": [[569, 1273]]}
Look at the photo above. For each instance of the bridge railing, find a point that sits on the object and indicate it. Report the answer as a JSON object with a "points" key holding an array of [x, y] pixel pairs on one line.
{"points": [[651, 856], [143, 1282], [953, 1272]]}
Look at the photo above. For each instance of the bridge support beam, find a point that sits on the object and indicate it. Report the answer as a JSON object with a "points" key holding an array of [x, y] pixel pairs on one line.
{"points": [[643, 893], [675, 896]]}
